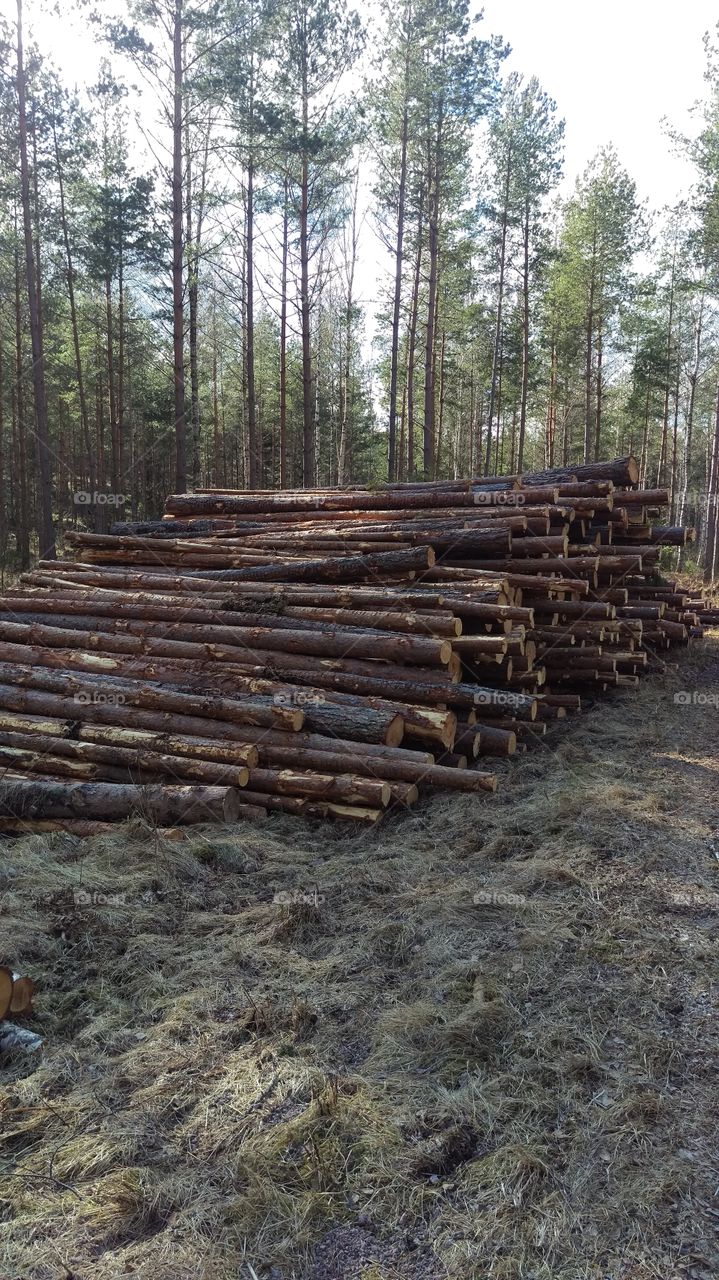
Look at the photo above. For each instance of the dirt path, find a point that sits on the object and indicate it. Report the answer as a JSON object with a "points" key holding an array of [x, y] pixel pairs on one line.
{"points": [[480, 1043]]}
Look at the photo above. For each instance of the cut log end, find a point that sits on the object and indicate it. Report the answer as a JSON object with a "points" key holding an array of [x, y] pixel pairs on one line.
{"points": [[6, 988], [395, 732]]}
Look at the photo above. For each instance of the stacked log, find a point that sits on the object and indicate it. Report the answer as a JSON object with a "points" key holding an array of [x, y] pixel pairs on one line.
{"points": [[327, 653]]}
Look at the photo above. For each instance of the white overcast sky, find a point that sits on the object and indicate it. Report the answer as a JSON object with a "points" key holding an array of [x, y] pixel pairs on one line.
{"points": [[615, 69]]}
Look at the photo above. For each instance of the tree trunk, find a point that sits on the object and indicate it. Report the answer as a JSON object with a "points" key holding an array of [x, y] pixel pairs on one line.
{"points": [[412, 345], [437, 458], [588, 416], [525, 341], [253, 436], [399, 256], [434, 174], [662, 466], [3, 502], [351, 264], [22, 508], [46, 531], [644, 455], [308, 428], [195, 241], [82, 398], [689, 425], [112, 405], [496, 353], [217, 440], [675, 449], [552, 406], [120, 365], [178, 310], [600, 392], [284, 472], [712, 512]]}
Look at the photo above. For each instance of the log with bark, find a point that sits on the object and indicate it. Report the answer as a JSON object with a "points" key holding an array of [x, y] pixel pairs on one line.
{"points": [[167, 805]]}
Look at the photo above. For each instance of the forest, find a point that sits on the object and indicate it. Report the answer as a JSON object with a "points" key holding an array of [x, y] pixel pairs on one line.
{"points": [[183, 269]]}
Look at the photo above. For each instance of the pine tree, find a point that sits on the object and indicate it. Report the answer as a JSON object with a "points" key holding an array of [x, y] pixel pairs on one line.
{"points": [[601, 233], [322, 41]]}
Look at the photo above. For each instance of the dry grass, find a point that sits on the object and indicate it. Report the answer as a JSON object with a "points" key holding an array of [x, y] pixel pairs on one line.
{"points": [[380, 1077]]}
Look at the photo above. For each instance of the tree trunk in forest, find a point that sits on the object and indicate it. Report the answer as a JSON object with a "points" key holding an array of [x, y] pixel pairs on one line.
{"points": [[552, 406], [712, 513], [436, 464], [122, 470], [3, 504], [22, 511], [193, 237], [689, 424], [254, 442], [217, 466], [600, 391], [399, 259], [308, 425], [434, 175], [284, 472], [662, 466], [496, 353], [82, 398], [254, 448], [588, 415], [499, 404], [347, 364], [412, 344], [194, 447], [675, 451], [525, 344], [402, 442], [643, 456], [112, 406], [178, 310], [472, 454], [566, 426], [46, 531]]}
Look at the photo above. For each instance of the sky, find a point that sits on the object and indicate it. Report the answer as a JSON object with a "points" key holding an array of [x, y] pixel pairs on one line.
{"points": [[615, 69]]}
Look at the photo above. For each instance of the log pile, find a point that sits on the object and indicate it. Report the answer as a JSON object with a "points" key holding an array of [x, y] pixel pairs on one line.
{"points": [[326, 653]]}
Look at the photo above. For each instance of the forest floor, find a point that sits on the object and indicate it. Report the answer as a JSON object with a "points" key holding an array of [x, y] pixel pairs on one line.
{"points": [[477, 1043]]}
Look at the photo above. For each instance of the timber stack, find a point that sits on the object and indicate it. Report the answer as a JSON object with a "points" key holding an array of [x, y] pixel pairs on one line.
{"points": [[326, 653]]}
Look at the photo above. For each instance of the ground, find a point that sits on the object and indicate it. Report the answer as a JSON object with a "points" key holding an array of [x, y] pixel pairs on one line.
{"points": [[475, 1043]]}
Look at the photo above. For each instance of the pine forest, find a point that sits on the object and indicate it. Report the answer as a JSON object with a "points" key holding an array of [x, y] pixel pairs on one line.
{"points": [[283, 243]]}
